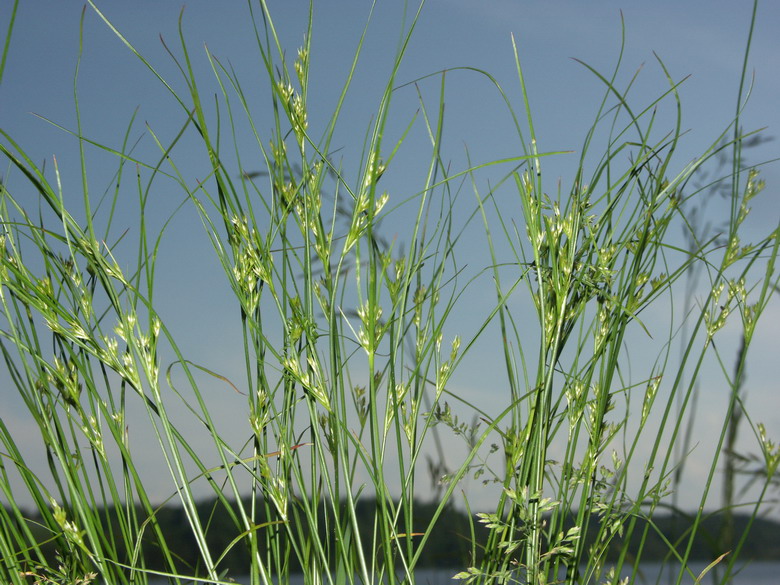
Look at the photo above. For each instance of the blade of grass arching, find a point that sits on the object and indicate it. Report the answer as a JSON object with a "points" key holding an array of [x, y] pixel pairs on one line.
{"points": [[578, 179], [117, 180], [135, 52], [244, 463], [224, 447], [88, 213], [146, 258], [614, 137], [736, 158], [622, 100], [37, 179], [661, 171], [121, 154], [527, 108], [248, 207], [224, 451], [202, 126], [189, 78], [7, 44]]}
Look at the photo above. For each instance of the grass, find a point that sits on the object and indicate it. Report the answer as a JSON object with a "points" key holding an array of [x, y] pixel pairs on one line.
{"points": [[346, 367]]}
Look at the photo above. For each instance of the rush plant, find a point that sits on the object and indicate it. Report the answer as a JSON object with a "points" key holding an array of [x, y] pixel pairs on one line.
{"points": [[346, 343]]}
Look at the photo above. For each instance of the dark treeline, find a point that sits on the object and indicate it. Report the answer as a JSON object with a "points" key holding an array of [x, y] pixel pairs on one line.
{"points": [[449, 545]]}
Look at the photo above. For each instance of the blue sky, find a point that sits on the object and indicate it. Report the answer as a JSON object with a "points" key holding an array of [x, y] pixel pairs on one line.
{"points": [[705, 40]]}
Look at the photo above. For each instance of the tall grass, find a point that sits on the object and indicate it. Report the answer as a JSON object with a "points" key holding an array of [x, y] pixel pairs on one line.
{"points": [[346, 368]]}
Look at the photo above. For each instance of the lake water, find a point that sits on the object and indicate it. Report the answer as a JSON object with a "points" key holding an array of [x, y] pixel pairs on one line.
{"points": [[757, 573]]}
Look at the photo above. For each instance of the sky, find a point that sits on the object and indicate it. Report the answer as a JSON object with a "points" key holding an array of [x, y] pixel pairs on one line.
{"points": [[702, 40]]}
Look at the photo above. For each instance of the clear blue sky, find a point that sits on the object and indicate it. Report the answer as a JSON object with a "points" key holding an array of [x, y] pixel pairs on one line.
{"points": [[703, 39]]}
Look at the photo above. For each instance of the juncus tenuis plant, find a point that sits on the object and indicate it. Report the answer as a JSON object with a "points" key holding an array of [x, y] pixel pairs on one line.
{"points": [[347, 354]]}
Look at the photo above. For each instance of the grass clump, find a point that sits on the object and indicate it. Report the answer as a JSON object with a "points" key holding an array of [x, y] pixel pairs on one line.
{"points": [[346, 345]]}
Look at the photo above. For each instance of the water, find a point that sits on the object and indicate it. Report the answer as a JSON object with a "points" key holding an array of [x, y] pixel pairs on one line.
{"points": [[756, 573]]}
